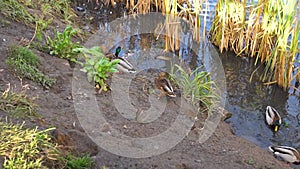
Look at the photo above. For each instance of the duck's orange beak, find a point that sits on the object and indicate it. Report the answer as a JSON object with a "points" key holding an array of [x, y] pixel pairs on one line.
{"points": [[276, 128]]}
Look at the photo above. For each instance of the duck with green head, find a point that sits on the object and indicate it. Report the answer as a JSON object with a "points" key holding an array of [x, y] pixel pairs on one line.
{"points": [[123, 65]]}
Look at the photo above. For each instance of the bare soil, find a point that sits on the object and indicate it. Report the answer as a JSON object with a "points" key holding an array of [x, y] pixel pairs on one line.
{"points": [[222, 150]]}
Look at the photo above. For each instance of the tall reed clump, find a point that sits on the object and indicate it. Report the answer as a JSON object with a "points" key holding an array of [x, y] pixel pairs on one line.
{"points": [[270, 33], [189, 12], [172, 26]]}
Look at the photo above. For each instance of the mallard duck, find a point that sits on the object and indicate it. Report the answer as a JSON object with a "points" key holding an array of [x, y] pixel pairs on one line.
{"points": [[273, 118], [288, 154], [164, 85], [123, 65]]}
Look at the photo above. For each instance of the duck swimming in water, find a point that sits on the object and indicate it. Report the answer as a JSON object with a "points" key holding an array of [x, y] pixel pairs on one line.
{"points": [[273, 118]]}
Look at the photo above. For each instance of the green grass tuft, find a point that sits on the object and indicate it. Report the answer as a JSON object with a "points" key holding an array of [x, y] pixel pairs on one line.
{"points": [[25, 63], [196, 86], [83, 162]]}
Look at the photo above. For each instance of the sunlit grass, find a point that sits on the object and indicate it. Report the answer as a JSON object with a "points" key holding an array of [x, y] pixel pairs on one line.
{"points": [[25, 148]]}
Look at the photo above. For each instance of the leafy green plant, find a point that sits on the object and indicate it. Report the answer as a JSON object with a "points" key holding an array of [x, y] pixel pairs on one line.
{"points": [[83, 162], [25, 63], [17, 104], [62, 45], [97, 66], [25, 148], [196, 86]]}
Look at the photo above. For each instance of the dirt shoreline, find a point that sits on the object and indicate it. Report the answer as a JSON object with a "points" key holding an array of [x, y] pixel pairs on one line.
{"points": [[222, 150]]}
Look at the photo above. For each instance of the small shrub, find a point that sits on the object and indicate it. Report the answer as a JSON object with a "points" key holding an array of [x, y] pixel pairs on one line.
{"points": [[62, 46], [25, 148], [25, 63]]}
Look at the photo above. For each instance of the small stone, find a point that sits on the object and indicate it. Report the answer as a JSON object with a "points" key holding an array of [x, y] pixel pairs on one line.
{"points": [[105, 128], [197, 161], [4, 40], [80, 9]]}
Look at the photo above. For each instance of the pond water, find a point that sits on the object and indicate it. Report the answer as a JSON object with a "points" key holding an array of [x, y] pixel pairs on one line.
{"points": [[247, 101]]}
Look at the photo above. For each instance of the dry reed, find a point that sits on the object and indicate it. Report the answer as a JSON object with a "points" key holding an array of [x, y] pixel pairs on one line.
{"points": [[264, 34]]}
